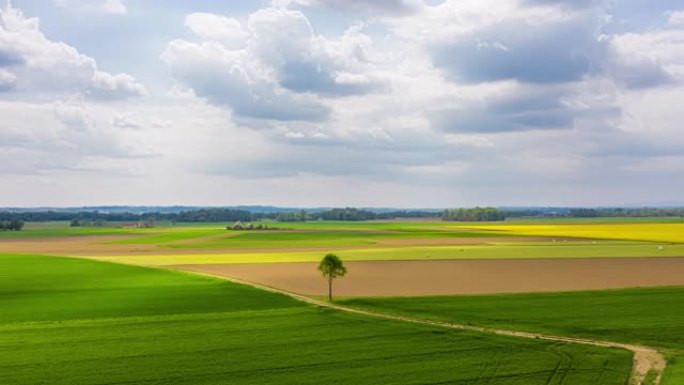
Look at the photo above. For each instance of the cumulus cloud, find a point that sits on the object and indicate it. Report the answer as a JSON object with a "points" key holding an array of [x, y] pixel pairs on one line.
{"points": [[537, 64], [41, 66], [648, 59], [119, 86], [305, 62], [52, 136], [227, 30], [523, 50], [676, 18], [273, 67], [221, 76]]}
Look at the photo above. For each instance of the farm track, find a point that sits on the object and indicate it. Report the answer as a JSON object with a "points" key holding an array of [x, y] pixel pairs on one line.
{"points": [[645, 358]]}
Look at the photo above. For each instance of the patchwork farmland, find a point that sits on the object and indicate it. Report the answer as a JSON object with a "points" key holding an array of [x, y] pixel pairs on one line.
{"points": [[81, 304]]}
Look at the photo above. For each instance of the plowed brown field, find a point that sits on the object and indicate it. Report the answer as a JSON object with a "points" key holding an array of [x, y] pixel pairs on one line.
{"points": [[410, 278]]}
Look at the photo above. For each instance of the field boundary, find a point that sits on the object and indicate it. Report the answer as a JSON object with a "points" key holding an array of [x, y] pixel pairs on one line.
{"points": [[646, 360]]}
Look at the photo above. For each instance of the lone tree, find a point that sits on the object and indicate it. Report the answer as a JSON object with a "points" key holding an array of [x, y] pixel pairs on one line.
{"points": [[331, 267]]}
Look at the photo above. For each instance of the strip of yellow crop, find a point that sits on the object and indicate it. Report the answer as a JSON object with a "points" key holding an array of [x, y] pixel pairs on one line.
{"points": [[654, 232], [559, 250]]}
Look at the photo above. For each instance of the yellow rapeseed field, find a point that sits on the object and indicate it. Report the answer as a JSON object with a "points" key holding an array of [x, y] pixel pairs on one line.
{"points": [[655, 232]]}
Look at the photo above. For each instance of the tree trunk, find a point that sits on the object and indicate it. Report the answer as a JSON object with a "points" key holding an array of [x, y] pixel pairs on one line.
{"points": [[330, 287]]}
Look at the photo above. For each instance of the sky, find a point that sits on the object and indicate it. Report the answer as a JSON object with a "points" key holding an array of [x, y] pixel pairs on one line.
{"points": [[309, 103]]}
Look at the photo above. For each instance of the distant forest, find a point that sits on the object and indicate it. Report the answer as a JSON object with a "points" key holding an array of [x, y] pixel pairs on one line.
{"points": [[94, 218], [644, 212], [89, 218], [477, 214]]}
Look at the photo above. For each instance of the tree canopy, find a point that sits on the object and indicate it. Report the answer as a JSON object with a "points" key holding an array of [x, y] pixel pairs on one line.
{"points": [[11, 225], [331, 267]]}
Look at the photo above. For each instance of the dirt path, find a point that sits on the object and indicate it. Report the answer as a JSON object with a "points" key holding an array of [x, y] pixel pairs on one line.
{"points": [[645, 359]]}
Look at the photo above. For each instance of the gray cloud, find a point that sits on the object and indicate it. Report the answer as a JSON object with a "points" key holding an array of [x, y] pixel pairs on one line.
{"points": [[636, 72], [337, 160], [564, 3], [8, 58], [643, 76], [308, 76], [544, 54], [521, 110], [213, 74], [258, 101], [567, 50], [618, 143], [385, 7]]}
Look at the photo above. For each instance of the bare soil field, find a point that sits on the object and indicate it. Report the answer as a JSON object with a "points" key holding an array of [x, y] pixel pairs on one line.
{"points": [[102, 245], [411, 278], [73, 246]]}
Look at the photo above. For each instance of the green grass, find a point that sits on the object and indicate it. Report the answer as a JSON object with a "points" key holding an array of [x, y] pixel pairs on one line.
{"points": [[320, 238], [36, 288], [653, 316], [169, 235], [70, 321], [60, 231]]}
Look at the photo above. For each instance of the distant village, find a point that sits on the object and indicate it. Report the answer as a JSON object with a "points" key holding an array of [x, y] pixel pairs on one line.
{"points": [[239, 226]]}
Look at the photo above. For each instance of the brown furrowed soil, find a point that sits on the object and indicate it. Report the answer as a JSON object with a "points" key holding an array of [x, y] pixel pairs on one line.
{"points": [[411, 278]]}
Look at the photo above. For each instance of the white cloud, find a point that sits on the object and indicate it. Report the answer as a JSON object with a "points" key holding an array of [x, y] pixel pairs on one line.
{"points": [[227, 30], [278, 70], [62, 136], [222, 77], [42, 67], [283, 102], [648, 59], [676, 18], [108, 86], [115, 7], [7, 79]]}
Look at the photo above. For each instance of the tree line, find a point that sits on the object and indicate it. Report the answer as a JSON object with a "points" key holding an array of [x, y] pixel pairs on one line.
{"points": [[475, 214], [615, 212], [11, 225], [352, 214], [86, 218], [95, 218], [628, 213]]}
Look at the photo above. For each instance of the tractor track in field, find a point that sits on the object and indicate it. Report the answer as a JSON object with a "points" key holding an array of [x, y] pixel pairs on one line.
{"points": [[645, 359]]}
